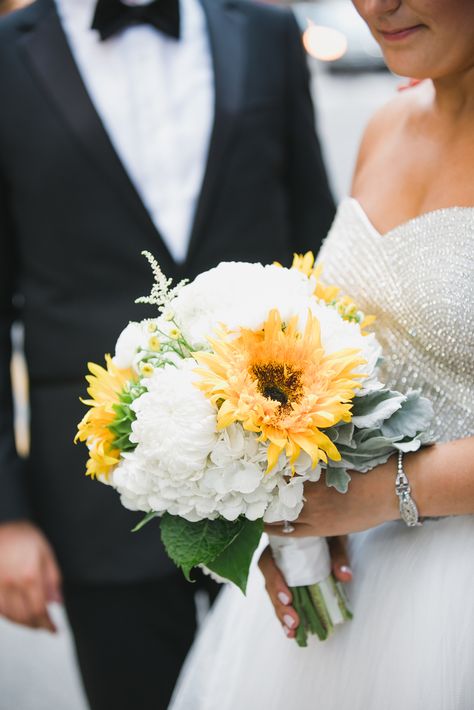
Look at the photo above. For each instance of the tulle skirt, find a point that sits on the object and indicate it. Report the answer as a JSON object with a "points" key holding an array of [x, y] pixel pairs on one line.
{"points": [[410, 645]]}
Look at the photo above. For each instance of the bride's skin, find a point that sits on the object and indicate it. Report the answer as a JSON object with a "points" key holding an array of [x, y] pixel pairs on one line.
{"points": [[417, 155]]}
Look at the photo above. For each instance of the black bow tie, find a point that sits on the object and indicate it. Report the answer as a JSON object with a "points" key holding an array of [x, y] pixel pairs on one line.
{"points": [[112, 16]]}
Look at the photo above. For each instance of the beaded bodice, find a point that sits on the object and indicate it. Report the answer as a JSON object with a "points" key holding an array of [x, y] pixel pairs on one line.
{"points": [[418, 280]]}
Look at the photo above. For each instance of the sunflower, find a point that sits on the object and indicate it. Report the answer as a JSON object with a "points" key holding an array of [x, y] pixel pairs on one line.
{"points": [[106, 388], [280, 383]]}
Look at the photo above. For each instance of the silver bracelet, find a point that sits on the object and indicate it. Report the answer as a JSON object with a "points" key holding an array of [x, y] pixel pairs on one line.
{"points": [[408, 510]]}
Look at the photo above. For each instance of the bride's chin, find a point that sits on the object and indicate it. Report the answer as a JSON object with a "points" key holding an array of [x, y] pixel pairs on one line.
{"points": [[415, 63], [408, 63]]}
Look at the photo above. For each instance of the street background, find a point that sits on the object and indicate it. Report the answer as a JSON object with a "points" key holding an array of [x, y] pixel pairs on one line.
{"points": [[37, 670]]}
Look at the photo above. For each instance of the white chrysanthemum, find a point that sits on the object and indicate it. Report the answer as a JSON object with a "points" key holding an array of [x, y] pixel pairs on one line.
{"points": [[176, 423], [132, 479], [239, 295]]}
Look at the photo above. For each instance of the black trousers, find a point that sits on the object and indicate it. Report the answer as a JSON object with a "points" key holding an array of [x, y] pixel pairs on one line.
{"points": [[131, 639]]}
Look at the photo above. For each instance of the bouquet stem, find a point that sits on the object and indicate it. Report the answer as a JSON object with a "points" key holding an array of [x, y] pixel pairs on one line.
{"points": [[318, 598], [320, 607]]}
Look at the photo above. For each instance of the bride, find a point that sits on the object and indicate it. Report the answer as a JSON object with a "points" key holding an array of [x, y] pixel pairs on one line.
{"points": [[403, 247]]}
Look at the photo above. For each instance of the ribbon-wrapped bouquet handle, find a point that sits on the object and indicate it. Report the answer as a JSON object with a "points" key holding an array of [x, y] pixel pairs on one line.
{"points": [[318, 597]]}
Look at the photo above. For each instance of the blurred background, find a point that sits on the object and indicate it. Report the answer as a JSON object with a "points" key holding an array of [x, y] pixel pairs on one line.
{"points": [[349, 82]]}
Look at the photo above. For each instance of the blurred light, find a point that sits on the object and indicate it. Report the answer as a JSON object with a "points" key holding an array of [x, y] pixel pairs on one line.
{"points": [[324, 43]]}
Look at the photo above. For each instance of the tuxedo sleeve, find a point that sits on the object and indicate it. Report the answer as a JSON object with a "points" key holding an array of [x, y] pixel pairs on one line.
{"points": [[13, 495], [311, 201]]}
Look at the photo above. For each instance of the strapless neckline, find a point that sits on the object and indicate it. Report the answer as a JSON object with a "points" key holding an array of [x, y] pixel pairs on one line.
{"points": [[418, 280], [414, 222]]}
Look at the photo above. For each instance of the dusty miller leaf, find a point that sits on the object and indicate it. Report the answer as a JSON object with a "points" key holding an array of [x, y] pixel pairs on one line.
{"points": [[371, 410], [337, 478], [413, 417]]}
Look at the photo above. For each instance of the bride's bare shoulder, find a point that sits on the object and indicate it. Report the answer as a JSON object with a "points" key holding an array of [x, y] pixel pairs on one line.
{"points": [[387, 126]]}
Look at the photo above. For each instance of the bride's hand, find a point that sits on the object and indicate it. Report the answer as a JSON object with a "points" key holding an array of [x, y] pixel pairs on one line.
{"points": [[442, 483], [279, 592], [370, 501], [441, 479]]}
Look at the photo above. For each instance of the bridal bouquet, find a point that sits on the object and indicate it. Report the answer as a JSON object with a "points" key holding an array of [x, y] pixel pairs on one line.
{"points": [[249, 382]]}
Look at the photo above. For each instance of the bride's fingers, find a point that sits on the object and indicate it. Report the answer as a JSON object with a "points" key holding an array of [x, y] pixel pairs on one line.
{"points": [[340, 559], [279, 593]]}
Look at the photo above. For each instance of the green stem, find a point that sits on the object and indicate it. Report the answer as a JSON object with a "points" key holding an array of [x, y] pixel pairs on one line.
{"points": [[318, 620], [317, 598], [341, 599], [144, 521], [301, 631]]}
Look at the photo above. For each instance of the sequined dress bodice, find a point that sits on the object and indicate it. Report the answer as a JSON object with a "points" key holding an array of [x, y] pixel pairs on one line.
{"points": [[418, 280]]}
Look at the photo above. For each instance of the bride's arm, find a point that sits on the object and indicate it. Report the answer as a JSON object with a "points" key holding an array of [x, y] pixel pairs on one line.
{"points": [[441, 479], [442, 482]]}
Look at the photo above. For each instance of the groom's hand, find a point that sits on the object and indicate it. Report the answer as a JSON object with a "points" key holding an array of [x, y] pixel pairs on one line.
{"points": [[29, 575], [279, 592]]}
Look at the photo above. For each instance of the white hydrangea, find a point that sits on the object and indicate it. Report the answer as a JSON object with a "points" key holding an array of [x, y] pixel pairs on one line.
{"points": [[191, 471]]}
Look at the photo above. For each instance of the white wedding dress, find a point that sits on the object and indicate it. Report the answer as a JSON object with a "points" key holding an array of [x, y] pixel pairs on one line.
{"points": [[410, 645]]}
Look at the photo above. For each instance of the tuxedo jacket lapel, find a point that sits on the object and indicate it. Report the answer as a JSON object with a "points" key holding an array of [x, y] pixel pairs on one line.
{"points": [[226, 26], [49, 56], [48, 53]]}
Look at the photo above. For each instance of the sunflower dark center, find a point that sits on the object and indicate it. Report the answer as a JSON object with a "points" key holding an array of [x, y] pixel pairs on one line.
{"points": [[275, 393], [278, 382]]}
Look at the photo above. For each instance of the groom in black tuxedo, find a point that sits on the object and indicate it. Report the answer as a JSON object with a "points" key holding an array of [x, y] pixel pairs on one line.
{"points": [[184, 129]]}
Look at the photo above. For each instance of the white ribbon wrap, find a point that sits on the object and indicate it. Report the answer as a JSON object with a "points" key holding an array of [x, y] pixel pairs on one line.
{"points": [[302, 560]]}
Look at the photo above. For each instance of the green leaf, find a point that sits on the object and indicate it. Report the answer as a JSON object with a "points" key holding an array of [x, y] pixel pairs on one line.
{"points": [[190, 544], [123, 443], [121, 427], [234, 562]]}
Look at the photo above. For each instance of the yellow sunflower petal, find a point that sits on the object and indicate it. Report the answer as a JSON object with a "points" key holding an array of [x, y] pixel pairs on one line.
{"points": [[106, 387], [278, 382]]}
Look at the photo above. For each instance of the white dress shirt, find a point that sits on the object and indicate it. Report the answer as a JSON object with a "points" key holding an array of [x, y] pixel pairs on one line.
{"points": [[155, 97]]}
